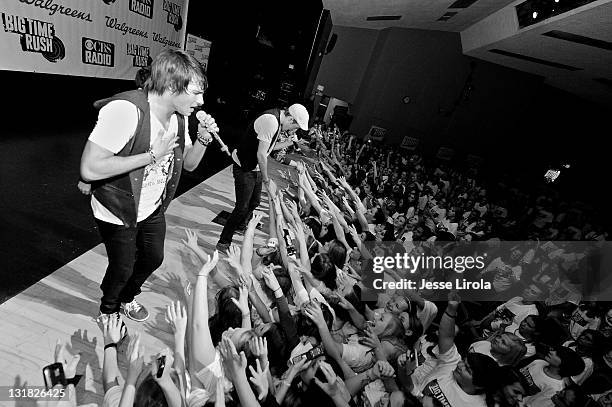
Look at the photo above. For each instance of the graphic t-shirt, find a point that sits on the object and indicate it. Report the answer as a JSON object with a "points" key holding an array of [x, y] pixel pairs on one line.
{"points": [[512, 313], [541, 386], [117, 122], [435, 379]]}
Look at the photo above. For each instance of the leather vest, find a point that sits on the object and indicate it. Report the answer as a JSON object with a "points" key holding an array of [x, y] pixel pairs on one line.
{"points": [[121, 194]]}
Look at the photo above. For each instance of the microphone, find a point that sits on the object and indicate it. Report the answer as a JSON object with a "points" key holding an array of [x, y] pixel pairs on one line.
{"points": [[200, 115]]}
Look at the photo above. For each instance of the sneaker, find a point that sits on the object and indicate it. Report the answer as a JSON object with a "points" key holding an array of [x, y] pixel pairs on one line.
{"points": [[135, 311], [222, 247], [102, 318]]}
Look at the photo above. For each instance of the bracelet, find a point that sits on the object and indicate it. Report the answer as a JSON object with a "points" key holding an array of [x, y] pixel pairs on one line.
{"points": [[449, 315], [204, 141], [110, 345], [152, 155]]}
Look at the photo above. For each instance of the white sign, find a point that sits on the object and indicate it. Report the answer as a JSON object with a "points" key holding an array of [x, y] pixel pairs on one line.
{"points": [[100, 38], [409, 143], [199, 48], [377, 133]]}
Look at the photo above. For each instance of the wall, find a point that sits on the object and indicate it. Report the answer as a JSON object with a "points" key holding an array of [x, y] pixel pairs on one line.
{"points": [[342, 70], [427, 66]]}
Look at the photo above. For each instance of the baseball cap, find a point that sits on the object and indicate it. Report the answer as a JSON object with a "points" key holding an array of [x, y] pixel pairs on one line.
{"points": [[300, 114]]}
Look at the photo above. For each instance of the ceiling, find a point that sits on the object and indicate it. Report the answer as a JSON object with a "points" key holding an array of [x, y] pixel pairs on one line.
{"points": [[592, 62], [420, 14]]}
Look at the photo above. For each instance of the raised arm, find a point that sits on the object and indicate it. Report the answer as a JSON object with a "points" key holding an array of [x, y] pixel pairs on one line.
{"points": [[203, 354], [247, 244], [446, 336], [192, 243], [333, 348], [235, 365], [176, 316], [111, 330]]}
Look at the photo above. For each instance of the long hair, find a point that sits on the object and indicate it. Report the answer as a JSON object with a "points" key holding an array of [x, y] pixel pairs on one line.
{"points": [[277, 348], [228, 315], [323, 269], [337, 253], [173, 70]]}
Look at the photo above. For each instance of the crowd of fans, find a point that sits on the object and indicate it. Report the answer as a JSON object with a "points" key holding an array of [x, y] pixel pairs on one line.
{"points": [[292, 322]]}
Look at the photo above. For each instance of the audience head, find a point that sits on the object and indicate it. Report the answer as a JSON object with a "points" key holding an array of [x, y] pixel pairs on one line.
{"points": [[507, 348], [323, 269], [476, 373], [566, 360]]}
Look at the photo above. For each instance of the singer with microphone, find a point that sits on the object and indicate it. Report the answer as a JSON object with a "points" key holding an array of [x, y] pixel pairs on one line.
{"points": [[250, 167], [202, 118], [133, 159]]}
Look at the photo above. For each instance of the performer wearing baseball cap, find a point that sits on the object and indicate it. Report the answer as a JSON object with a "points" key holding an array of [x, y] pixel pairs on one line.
{"points": [[251, 163]]}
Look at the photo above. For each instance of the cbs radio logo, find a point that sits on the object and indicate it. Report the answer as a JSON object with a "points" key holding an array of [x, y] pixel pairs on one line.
{"points": [[96, 52]]}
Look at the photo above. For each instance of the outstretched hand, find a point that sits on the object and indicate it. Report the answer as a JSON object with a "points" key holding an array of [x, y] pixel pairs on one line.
{"points": [[260, 380], [332, 384], [69, 363], [270, 278], [176, 316], [209, 265], [313, 311], [233, 257], [243, 301], [233, 362]]}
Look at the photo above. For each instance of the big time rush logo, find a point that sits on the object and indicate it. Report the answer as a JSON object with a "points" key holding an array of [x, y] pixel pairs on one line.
{"points": [[174, 14], [139, 53], [35, 36], [142, 7], [96, 52]]}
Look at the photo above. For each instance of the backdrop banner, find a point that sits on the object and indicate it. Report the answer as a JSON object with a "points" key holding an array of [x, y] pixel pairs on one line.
{"points": [[99, 38], [199, 48]]}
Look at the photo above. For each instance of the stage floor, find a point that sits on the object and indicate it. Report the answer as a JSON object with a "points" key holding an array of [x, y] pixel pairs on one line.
{"points": [[62, 306]]}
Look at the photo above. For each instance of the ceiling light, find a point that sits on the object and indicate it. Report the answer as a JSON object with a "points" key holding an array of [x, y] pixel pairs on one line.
{"points": [[534, 15]]}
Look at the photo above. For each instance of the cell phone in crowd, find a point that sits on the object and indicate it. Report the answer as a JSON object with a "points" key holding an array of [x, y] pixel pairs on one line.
{"points": [[161, 364], [310, 355], [54, 374], [414, 358], [289, 243]]}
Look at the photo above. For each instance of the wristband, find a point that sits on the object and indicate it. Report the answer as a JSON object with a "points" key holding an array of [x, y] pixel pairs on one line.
{"points": [[449, 315], [203, 141], [110, 345], [152, 155]]}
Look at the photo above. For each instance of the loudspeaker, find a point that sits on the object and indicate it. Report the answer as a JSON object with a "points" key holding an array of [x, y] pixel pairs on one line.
{"points": [[318, 49]]}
